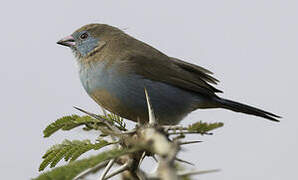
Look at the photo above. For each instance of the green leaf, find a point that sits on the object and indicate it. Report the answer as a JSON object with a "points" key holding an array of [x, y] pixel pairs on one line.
{"points": [[69, 122], [82, 149], [69, 150], [59, 155], [203, 128], [74, 168]]}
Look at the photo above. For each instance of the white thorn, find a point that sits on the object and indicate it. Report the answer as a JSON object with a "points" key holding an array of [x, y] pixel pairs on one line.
{"points": [[142, 158], [118, 171], [189, 142], [106, 170], [198, 172], [184, 161], [152, 119]]}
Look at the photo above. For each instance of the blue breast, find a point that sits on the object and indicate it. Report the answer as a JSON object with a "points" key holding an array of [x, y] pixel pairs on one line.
{"points": [[170, 103]]}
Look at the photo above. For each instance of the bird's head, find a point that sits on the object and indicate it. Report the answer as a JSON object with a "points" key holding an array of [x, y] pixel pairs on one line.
{"points": [[88, 38]]}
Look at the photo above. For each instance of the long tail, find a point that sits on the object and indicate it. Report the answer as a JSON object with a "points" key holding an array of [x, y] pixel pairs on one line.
{"points": [[238, 107]]}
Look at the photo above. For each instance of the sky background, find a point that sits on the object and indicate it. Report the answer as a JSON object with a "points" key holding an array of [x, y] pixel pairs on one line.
{"points": [[251, 46]]}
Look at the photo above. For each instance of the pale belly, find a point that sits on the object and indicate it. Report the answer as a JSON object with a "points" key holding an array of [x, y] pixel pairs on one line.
{"points": [[123, 94]]}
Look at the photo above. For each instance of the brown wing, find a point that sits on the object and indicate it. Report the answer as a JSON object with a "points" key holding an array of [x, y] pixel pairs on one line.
{"points": [[173, 71], [142, 59]]}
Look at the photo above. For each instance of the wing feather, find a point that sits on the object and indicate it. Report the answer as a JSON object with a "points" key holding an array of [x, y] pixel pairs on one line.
{"points": [[175, 72], [142, 59]]}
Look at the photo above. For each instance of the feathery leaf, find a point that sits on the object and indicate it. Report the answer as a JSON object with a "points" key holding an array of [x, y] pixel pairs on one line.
{"points": [[69, 150], [72, 169], [69, 122], [203, 128]]}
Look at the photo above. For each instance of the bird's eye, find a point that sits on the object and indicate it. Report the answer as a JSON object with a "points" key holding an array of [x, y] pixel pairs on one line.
{"points": [[84, 36]]}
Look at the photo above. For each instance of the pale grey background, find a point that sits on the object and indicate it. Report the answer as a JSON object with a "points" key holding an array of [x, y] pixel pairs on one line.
{"points": [[251, 46]]}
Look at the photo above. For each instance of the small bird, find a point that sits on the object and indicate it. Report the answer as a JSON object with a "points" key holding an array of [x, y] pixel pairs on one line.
{"points": [[115, 68]]}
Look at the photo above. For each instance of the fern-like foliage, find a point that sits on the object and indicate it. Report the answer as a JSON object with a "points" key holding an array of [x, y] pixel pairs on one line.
{"points": [[69, 150], [128, 142], [69, 122], [74, 168], [203, 127]]}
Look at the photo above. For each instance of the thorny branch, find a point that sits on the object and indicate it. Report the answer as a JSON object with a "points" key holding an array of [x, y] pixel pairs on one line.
{"points": [[159, 143], [153, 140]]}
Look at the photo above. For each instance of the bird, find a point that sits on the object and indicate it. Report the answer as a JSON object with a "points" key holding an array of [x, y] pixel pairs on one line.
{"points": [[115, 68]]}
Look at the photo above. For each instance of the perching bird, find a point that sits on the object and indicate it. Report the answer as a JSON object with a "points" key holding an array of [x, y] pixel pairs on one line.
{"points": [[115, 68]]}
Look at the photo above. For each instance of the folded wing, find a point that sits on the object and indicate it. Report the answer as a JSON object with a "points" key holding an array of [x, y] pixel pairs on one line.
{"points": [[173, 71]]}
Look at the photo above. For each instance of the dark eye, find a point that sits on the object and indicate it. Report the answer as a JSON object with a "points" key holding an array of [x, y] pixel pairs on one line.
{"points": [[84, 36]]}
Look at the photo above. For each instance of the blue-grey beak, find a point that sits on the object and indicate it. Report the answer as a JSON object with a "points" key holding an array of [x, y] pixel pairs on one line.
{"points": [[68, 41]]}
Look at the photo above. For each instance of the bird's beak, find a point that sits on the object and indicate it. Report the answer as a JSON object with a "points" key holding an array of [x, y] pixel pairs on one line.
{"points": [[68, 41]]}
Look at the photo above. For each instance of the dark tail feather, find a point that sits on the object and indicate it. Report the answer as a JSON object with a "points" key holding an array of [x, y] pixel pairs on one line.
{"points": [[238, 107]]}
